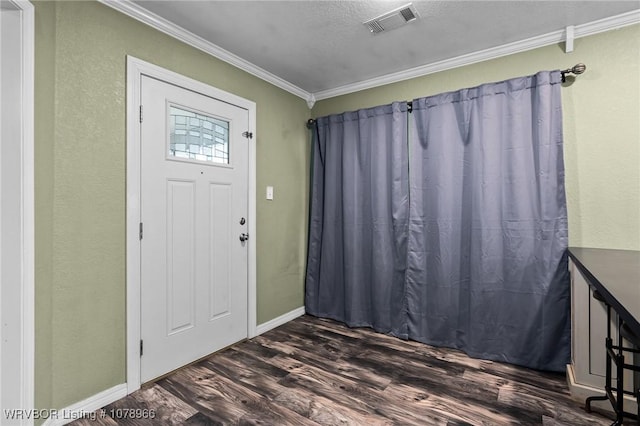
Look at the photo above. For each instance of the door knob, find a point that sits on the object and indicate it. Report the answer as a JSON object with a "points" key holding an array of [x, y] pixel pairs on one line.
{"points": [[244, 237]]}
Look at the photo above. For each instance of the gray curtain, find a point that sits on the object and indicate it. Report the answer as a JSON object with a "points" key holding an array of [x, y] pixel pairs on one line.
{"points": [[358, 223], [458, 240], [487, 270]]}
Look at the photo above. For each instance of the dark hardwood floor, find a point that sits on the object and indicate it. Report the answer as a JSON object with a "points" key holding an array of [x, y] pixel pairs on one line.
{"points": [[319, 372]]}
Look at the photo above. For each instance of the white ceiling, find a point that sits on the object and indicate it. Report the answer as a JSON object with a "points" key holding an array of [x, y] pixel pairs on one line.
{"points": [[322, 45]]}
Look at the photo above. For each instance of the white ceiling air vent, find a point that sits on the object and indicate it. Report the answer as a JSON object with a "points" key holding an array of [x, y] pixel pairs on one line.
{"points": [[392, 20]]}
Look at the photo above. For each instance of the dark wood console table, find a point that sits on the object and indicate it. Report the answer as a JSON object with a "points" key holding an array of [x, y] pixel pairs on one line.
{"points": [[614, 277]]}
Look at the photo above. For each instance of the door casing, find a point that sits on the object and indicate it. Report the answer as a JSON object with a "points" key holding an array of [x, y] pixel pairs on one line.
{"points": [[136, 68], [17, 334]]}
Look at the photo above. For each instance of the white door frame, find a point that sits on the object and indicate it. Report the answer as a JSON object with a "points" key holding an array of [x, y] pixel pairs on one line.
{"points": [[136, 68], [18, 330]]}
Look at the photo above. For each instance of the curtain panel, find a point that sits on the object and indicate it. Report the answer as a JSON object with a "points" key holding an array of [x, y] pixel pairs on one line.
{"points": [[447, 225], [487, 270], [358, 221]]}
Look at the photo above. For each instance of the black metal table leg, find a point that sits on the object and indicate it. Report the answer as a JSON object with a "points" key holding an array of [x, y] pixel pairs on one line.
{"points": [[587, 404], [608, 344], [619, 360]]}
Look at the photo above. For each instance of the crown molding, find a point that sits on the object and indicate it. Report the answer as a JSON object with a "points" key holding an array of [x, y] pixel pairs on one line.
{"points": [[608, 24], [584, 30], [141, 14]]}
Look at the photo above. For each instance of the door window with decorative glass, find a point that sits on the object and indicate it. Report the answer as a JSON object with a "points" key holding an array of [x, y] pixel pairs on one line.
{"points": [[195, 136]]}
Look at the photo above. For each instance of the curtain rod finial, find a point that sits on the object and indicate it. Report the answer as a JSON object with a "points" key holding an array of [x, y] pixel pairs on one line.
{"points": [[310, 123], [576, 70]]}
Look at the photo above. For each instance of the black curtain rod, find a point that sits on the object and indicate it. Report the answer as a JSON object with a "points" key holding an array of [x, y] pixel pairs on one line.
{"points": [[575, 70]]}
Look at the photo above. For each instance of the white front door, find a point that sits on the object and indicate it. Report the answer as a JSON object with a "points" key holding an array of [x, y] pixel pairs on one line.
{"points": [[194, 194]]}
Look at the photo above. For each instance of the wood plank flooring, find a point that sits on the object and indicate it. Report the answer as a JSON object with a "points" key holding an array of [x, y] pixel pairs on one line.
{"points": [[314, 371]]}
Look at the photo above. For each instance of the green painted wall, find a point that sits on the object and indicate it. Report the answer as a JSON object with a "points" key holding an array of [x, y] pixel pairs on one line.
{"points": [[601, 126], [43, 162], [81, 50]]}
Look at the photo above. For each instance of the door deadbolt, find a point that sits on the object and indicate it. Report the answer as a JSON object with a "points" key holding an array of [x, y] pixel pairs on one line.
{"points": [[242, 221]]}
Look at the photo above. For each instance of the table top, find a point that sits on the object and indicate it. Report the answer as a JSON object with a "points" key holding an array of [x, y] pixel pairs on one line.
{"points": [[615, 274]]}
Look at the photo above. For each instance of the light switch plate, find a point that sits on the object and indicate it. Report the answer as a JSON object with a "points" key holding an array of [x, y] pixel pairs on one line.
{"points": [[269, 192]]}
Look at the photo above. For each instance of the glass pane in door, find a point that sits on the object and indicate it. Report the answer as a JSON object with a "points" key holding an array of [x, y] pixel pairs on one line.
{"points": [[195, 136]]}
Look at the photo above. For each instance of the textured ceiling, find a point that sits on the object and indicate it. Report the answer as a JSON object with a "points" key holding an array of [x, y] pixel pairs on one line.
{"points": [[320, 45]]}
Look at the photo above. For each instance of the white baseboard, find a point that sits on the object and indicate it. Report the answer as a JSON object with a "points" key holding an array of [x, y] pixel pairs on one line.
{"points": [[282, 319], [580, 392], [86, 408]]}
